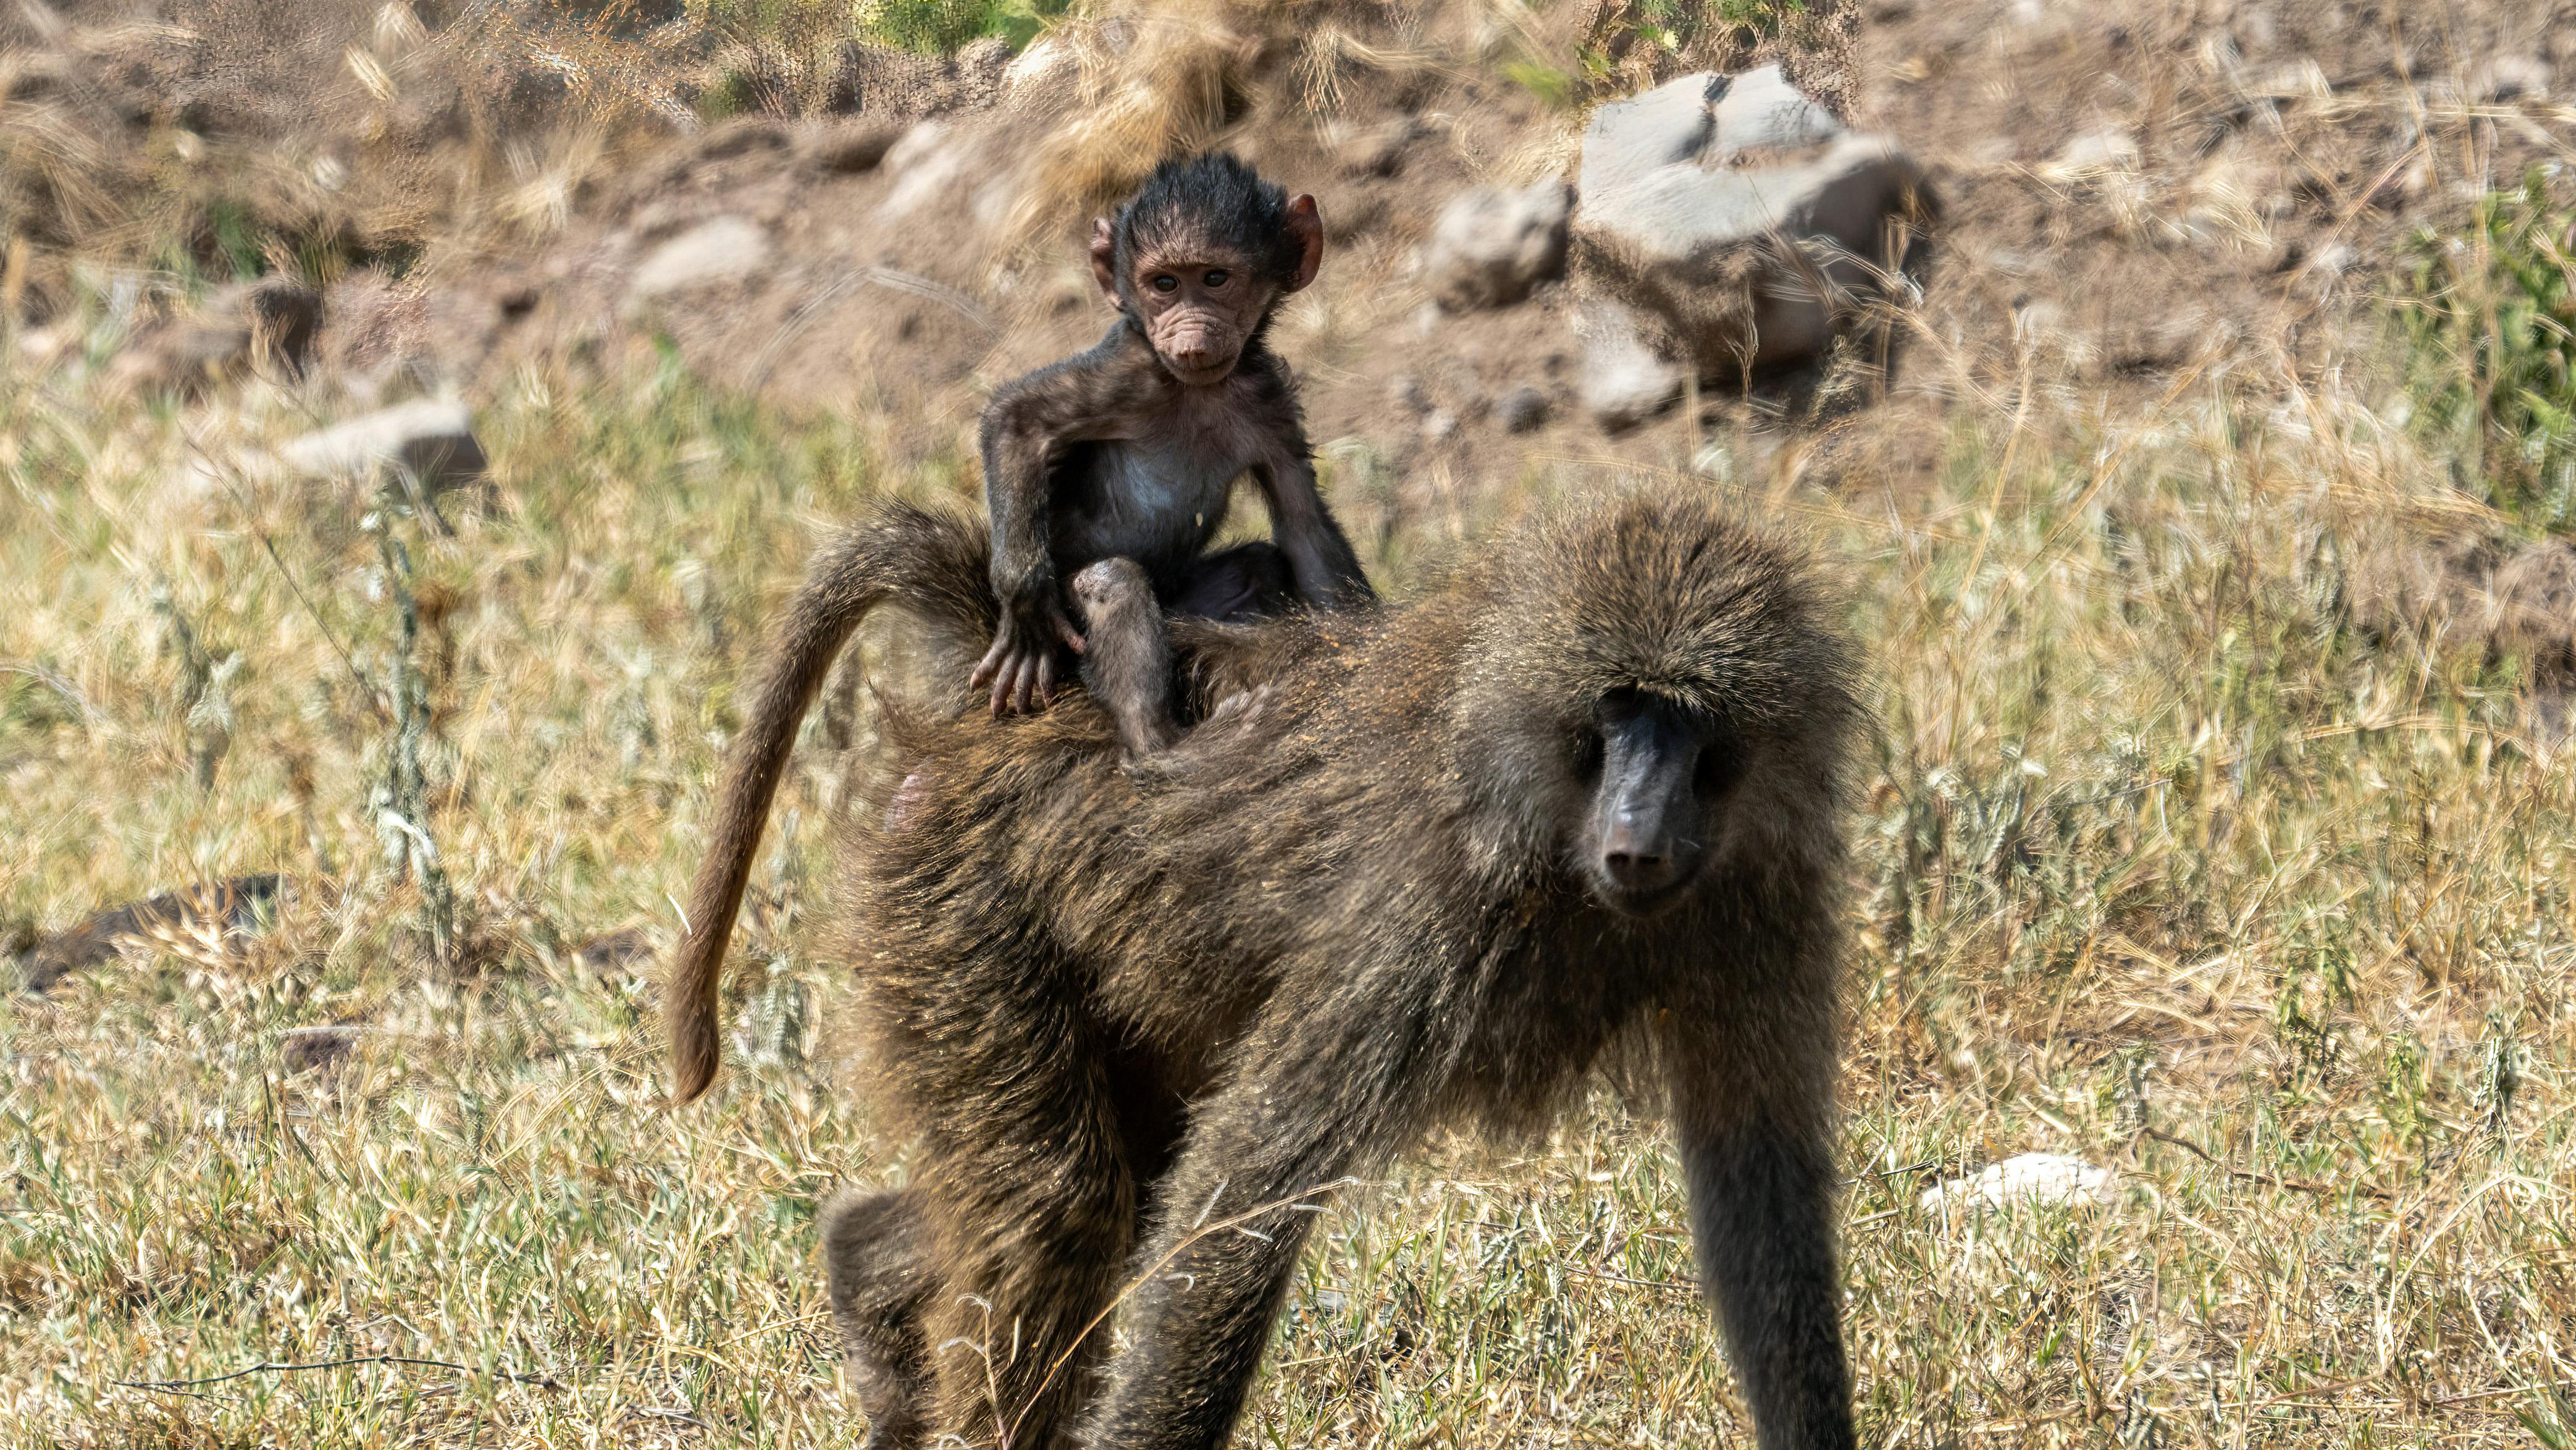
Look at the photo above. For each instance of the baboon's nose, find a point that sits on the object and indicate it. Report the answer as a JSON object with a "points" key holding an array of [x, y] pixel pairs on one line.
{"points": [[1635, 858]]}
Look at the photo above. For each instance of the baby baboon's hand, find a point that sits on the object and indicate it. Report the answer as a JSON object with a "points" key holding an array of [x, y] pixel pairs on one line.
{"points": [[1021, 664]]}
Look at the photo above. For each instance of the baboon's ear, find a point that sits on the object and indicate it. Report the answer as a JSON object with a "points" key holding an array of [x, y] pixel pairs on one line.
{"points": [[1306, 228], [1104, 258]]}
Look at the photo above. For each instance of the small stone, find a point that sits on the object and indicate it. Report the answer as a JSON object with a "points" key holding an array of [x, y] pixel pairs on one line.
{"points": [[1440, 425], [1625, 381], [984, 62], [2510, 78], [1379, 150], [1522, 410], [2096, 154], [740, 137], [432, 441], [304, 1049], [2046, 1178], [924, 163], [1408, 393], [1491, 246], [232, 909], [615, 951], [1045, 58], [270, 321], [723, 249]]}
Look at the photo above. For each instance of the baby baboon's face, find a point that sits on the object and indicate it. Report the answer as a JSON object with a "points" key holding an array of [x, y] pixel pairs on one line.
{"points": [[1199, 307], [1200, 282]]}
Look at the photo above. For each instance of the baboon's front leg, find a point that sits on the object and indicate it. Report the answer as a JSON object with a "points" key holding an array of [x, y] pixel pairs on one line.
{"points": [[1754, 1123]]}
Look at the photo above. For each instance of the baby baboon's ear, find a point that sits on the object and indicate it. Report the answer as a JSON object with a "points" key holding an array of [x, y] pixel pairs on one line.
{"points": [[1104, 258], [1306, 227]]}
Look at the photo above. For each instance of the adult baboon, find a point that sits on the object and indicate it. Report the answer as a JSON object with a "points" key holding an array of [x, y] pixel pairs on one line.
{"points": [[1580, 805]]}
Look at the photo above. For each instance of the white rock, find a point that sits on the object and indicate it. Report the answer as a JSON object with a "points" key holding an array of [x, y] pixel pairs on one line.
{"points": [[1379, 150], [720, 249], [2095, 154], [2511, 78], [433, 440], [2028, 1178], [1044, 57], [1491, 246]]}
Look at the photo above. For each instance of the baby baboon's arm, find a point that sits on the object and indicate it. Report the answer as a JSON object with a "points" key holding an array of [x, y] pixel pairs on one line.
{"points": [[1327, 569], [1024, 433]]}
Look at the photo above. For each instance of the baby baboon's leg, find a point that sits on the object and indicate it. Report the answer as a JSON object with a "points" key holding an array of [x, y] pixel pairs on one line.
{"points": [[881, 1260], [1127, 659], [1239, 583]]}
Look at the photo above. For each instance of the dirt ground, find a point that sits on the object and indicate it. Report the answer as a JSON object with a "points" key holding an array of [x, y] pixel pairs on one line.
{"points": [[2129, 204]]}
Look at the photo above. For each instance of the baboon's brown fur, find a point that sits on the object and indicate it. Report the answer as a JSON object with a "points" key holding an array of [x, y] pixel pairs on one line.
{"points": [[1579, 805]]}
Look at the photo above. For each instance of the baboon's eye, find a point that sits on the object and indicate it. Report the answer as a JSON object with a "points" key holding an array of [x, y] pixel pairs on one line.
{"points": [[1215, 278], [1720, 766], [1588, 752], [1166, 282]]}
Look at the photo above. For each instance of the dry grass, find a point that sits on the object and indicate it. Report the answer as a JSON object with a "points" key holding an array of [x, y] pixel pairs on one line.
{"points": [[2172, 855], [2163, 863]]}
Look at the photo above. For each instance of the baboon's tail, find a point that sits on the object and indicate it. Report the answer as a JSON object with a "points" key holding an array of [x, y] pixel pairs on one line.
{"points": [[933, 562]]}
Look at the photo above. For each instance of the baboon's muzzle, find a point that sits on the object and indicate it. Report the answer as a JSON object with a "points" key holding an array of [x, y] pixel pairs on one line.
{"points": [[1646, 827]]}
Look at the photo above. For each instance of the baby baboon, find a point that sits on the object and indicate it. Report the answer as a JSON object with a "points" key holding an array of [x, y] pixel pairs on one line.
{"points": [[1129, 452], [1580, 808]]}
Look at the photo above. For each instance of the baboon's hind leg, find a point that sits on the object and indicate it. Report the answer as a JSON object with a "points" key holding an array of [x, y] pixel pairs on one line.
{"points": [[881, 1261]]}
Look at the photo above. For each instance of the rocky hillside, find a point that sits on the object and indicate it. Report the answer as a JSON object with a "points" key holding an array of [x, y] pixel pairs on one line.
{"points": [[2112, 201]]}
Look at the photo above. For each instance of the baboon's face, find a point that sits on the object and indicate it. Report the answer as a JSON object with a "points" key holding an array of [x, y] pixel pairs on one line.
{"points": [[1659, 775], [1200, 292], [1199, 306]]}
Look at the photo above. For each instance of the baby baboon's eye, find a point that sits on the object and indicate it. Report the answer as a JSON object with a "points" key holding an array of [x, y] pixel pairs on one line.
{"points": [[1216, 278], [1166, 282]]}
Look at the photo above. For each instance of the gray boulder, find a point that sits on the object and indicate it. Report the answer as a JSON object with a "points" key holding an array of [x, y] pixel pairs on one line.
{"points": [[431, 442], [1491, 246], [1739, 212]]}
